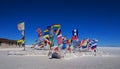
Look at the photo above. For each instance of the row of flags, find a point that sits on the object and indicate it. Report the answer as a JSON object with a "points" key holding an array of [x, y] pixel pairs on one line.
{"points": [[48, 35]]}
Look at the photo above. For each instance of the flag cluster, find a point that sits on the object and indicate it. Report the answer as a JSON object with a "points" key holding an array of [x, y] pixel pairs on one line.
{"points": [[47, 38]]}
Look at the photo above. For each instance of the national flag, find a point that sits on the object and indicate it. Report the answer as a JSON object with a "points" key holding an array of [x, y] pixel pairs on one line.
{"points": [[21, 26], [93, 47], [20, 41], [45, 30], [46, 36], [59, 36], [56, 26], [57, 31], [75, 32], [93, 44], [83, 42], [59, 39], [74, 37], [38, 30], [52, 40], [47, 41], [68, 41], [23, 32]]}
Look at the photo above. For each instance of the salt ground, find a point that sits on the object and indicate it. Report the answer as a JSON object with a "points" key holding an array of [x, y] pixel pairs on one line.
{"points": [[109, 59]]}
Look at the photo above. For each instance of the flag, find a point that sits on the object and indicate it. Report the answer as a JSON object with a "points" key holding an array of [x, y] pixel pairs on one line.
{"points": [[74, 37], [21, 26], [45, 30], [39, 32], [56, 26], [93, 45], [47, 41], [68, 41], [20, 41], [23, 32], [57, 31], [59, 39], [75, 32], [83, 42], [46, 36], [52, 40]]}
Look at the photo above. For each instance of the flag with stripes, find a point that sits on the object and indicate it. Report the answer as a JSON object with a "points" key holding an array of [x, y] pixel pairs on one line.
{"points": [[56, 26]]}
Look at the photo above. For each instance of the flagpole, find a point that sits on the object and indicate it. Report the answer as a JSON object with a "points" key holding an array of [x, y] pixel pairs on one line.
{"points": [[24, 40]]}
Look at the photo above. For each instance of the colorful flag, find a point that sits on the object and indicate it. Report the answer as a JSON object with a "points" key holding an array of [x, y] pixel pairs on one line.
{"points": [[74, 37], [83, 42], [56, 26], [46, 36], [57, 31], [20, 41], [21, 26], [39, 32], [52, 40], [45, 30], [93, 44], [68, 41], [47, 41], [59, 39]]}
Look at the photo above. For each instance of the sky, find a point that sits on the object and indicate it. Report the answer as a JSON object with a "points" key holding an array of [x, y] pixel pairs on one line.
{"points": [[93, 18]]}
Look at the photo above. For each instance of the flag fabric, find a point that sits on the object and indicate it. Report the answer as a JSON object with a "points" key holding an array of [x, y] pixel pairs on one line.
{"points": [[46, 36], [56, 26], [23, 32], [39, 32], [45, 30], [52, 40], [57, 31], [59, 39], [74, 37], [64, 46], [21, 26], [47, 41], [68, 41], [20, 41], [75, 32], [83, 42], [93, 44], [51, 32]]}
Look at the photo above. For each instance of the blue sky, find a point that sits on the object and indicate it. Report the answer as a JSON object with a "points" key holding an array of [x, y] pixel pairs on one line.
{"points": [[93, 18]]}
